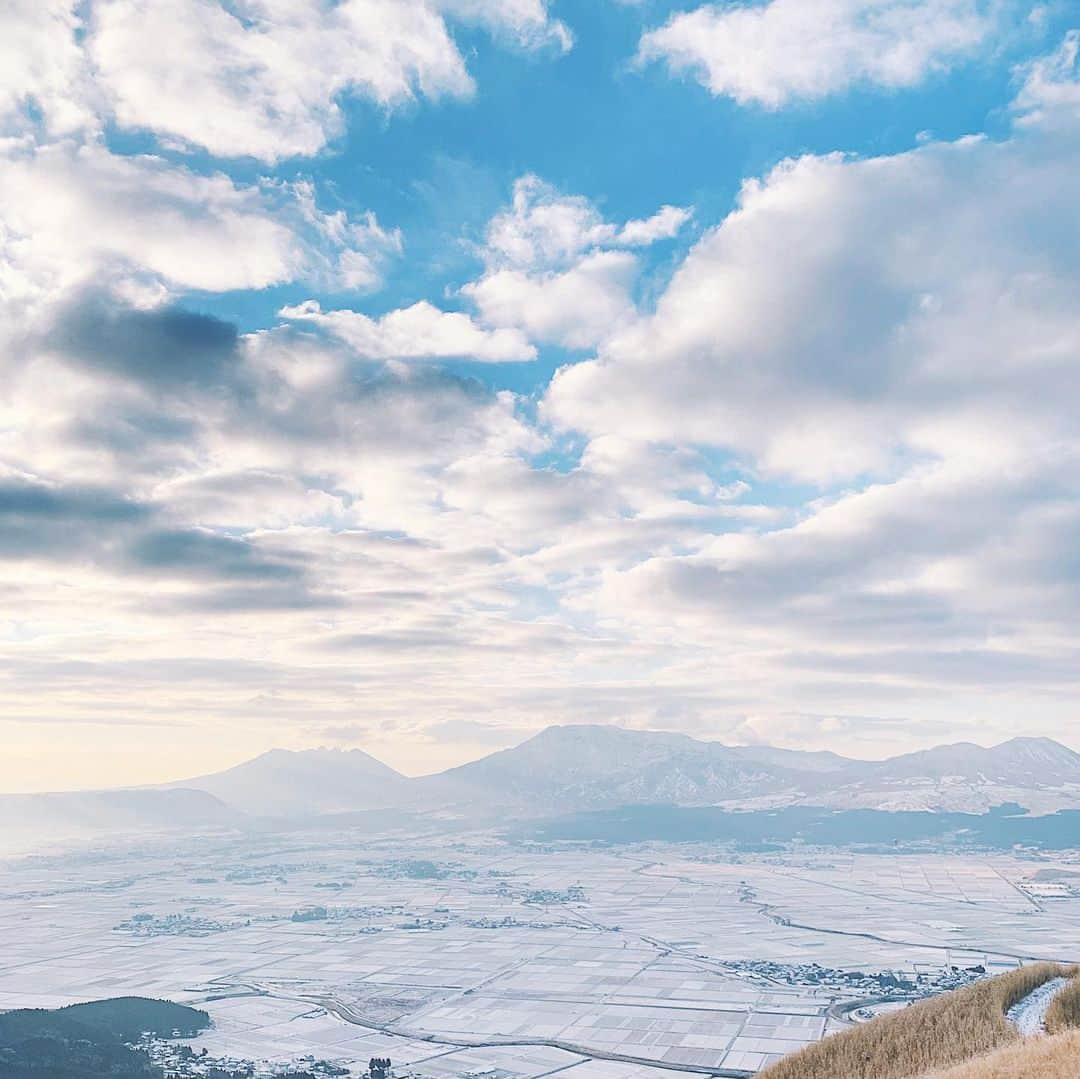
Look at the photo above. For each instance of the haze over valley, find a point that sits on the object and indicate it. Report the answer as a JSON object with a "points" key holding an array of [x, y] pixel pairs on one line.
{"points": [[569, 769]]}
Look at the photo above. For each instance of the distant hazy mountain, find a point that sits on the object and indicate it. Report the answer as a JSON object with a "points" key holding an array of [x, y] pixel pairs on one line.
{"points": [[563, 769], [585, 767], [25, 817], [1029, 762], [283, 783], [1039, 773], [798, 759]]}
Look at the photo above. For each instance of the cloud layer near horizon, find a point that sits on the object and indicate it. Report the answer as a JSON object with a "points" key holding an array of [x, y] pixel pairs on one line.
{"points": [[814, 465]]}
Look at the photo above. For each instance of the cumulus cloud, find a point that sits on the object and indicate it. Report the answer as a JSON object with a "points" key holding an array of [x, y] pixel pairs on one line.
{"points": [[830, 472], [663, 225], [421, 331], [787, 339], [243, 473], [877, 570], [72, 213], [575, 308], [796, 50], [558, 271], [545, 229], [160, 347], [258, 78], [41, 66], [265, 79], [165, 395], [925, 383], [120, 536]]}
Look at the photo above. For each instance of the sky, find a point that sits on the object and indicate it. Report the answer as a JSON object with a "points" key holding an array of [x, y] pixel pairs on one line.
{"points": [[415, 374]]}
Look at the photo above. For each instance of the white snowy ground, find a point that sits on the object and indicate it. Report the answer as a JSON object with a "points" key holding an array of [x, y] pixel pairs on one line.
{"points": [[1029, 1014], [652, 967]]}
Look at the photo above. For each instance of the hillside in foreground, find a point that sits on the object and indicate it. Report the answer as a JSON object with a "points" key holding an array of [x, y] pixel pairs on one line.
{"points": [[1054, 1057], [964, 1034], [88, 1041]]}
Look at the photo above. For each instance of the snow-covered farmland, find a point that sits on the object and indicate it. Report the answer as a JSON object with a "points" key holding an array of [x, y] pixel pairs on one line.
{"points": [[468, 955]]}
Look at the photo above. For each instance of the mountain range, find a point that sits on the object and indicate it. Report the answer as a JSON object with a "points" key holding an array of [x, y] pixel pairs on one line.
{"points": [[590, 767], [570, 768]]}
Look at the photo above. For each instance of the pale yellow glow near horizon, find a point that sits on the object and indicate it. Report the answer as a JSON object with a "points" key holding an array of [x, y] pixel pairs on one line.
{"points": [[58, 756], [34, 765]]}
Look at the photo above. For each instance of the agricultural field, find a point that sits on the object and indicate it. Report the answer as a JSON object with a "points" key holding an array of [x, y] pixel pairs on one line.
{"points": [[470, 955]]}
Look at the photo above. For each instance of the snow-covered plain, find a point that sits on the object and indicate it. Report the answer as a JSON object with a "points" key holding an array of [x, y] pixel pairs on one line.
{"points": [[463, 954]]}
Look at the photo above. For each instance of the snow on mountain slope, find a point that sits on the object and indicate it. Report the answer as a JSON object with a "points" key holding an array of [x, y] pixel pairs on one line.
{"points": [[1028, 762], [584, 767], [568, 768], [1038, 773]]}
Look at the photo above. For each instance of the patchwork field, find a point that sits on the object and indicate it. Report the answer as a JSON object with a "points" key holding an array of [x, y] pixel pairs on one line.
{"points": [[468, 956]]}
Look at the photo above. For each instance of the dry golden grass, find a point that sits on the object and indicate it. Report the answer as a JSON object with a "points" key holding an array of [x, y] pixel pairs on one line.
{"points": [[1056, 1056], [1064, 1011], [937, 1033]]}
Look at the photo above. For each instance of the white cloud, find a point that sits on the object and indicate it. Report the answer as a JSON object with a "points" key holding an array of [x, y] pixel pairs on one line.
{"points": [[258, 78], [941, 359], [555, 268], [1052, 84], [786, 338], [349, 253], [945, 574], [70, 212], [542, 228], [773, 53], [310, 408], [421, 331], [265, 78], [545, 229], [522, 506], [576, 308], [666, 223], [640, 470], [526, 22], [381, 540], [73, 213], [40, 63]]}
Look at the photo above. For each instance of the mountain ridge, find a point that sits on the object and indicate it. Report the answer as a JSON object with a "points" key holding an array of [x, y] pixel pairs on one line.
{"points": [[577, 767], [586, 766]]}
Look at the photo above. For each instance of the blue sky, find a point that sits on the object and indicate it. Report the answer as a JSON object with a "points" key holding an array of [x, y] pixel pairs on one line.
{"points": [[594, 122], [381, 369]]}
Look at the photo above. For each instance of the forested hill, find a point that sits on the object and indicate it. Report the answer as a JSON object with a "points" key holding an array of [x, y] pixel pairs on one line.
{"points": [[88, 1041]]}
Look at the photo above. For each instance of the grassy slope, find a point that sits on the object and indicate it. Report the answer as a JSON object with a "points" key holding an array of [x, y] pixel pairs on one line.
{"points": [[934, 1034], [1053, 1057], [1064, 1012]]}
